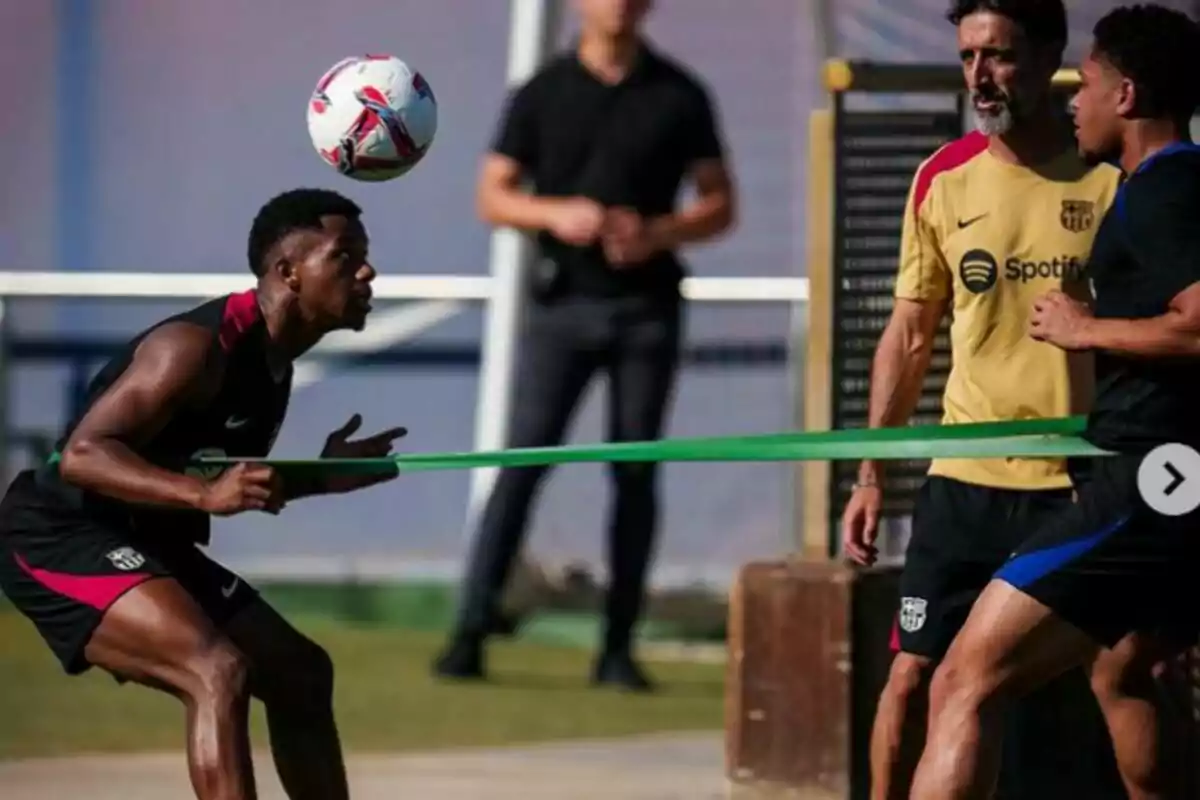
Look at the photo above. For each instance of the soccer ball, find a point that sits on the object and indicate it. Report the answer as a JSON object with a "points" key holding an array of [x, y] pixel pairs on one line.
{"points": [[372, 118]]}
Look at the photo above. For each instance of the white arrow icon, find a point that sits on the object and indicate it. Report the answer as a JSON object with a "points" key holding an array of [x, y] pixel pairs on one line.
{"points": [[1169, 479]]}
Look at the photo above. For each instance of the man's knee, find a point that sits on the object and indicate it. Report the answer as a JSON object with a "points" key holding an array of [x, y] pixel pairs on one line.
{"points": [[1128, 668], [216, 670], [286, 666], [963, 679], [303, 677], [908, 678], [315, 666], [1107, 678]]}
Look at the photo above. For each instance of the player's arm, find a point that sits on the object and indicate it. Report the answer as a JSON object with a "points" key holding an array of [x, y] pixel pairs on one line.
{"points": [[708, 216], [501, 197], [1163, 231], [1081, 364], [923, 286], [297, 486], [1175, 334], [714, 208], [172, 368], [339, 445], [898, 368]]}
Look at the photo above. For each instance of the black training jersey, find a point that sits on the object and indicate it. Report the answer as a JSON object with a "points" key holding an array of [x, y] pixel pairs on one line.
{"points": [[242, 419], [629, 144], [1147, 251]]}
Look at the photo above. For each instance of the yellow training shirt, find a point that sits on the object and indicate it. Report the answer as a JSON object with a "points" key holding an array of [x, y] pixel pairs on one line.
{"points": [[992, 236]]}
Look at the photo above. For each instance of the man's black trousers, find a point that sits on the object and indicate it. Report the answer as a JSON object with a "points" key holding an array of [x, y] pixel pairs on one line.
{"points": [[635, 343]]}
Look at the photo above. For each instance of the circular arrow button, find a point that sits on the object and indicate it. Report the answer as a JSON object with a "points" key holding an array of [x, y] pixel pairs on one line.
{"points": [[1169, 479]]}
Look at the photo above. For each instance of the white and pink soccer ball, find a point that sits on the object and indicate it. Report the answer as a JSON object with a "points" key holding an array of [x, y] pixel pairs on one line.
{"points": [[372, 118]]}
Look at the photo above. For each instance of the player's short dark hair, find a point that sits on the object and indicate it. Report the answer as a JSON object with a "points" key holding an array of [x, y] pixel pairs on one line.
{"points": [[298, 209], [1044, 22], [1157, 49]]}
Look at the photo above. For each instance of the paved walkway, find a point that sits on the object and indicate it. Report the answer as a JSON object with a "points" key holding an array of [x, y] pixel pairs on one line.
{"points": [[644, 768]]}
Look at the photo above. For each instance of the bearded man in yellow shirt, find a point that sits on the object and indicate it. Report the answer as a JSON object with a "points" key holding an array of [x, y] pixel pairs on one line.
{"points": [[993, 221]]}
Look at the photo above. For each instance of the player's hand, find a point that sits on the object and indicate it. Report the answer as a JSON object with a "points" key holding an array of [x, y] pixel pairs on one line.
{"points": [[244, 487], [1060, 320], [860, 525], [627, 238], [339, 445], [577, 221]]}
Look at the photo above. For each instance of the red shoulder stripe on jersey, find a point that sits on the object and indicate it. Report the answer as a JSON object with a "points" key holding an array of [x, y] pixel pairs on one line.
{"points": [[241, 311], [952, 155]]}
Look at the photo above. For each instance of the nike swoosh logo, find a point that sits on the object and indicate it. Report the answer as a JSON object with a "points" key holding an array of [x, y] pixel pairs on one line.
{"points": [[964, 223], [227, 591], [236, 422]]}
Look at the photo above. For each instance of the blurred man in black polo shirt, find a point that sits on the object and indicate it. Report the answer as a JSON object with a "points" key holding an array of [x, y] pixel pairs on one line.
{"points": [[604, 135]]}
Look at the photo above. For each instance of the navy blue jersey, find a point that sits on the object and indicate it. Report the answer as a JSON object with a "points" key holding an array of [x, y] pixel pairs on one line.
{"points": [[242, 419], [1147, 251]]}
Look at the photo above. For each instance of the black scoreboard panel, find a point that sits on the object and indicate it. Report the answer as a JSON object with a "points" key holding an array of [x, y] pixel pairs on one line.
{"points": [[876, 156]]}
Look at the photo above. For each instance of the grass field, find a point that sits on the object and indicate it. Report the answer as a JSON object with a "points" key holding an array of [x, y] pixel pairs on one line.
{"points": [[386, 700]]}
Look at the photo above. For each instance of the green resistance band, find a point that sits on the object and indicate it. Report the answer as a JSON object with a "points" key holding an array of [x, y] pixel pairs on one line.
{"points": [[1047, 438]]}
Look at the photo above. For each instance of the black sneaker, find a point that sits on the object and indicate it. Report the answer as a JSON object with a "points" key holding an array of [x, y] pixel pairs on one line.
{"points": [[461, 660], [619, 670]]}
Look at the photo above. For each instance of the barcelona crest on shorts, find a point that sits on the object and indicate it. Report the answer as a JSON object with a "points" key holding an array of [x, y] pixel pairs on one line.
{"points": [[1077, 215]]}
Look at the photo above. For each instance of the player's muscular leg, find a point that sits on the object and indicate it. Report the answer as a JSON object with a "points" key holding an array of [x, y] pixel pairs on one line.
{"points": [[1139, 714], [1010, 645], [156, 635], [293, 677], [899, 730]]}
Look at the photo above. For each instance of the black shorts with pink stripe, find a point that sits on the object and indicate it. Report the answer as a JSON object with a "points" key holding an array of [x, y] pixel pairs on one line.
{"points": [[63, 568]]}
